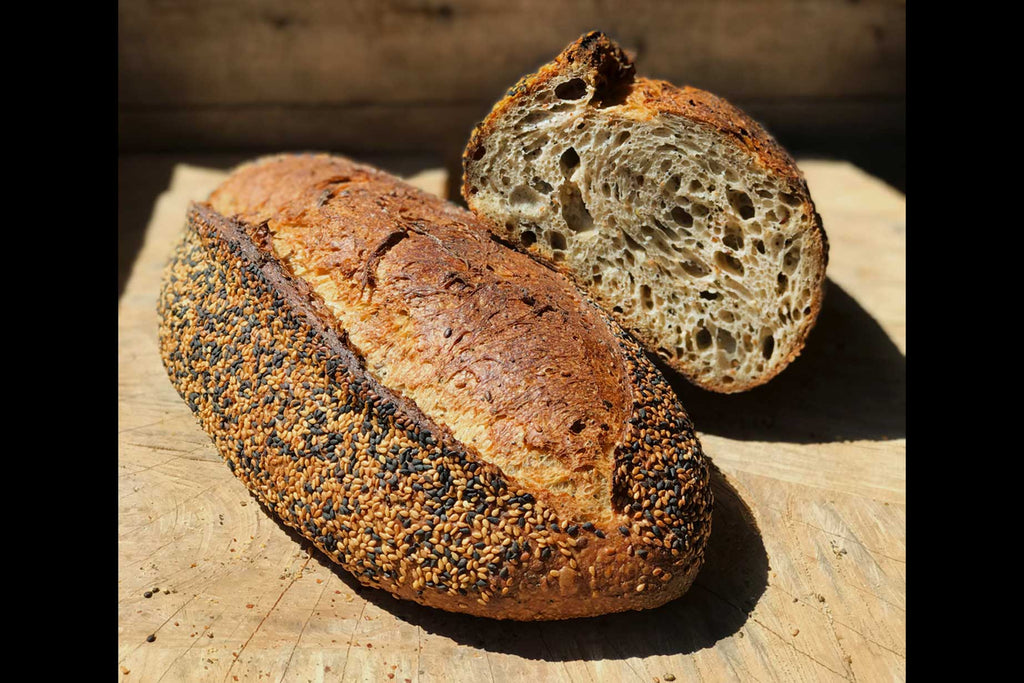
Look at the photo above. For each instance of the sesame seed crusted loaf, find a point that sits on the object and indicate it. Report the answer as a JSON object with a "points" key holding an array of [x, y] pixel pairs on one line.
{"points": [[445, 417], [674, 210]]}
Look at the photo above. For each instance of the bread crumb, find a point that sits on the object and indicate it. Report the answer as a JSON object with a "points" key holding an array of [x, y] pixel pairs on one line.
{"points": [[796, 632]]}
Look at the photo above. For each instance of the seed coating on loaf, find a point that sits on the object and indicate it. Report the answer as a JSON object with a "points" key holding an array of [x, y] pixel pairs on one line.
{"points": [[529, 376], [383, 489], [673, 209]]}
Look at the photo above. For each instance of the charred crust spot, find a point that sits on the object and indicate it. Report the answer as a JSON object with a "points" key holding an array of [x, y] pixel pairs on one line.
{"points": [[369, 272]]}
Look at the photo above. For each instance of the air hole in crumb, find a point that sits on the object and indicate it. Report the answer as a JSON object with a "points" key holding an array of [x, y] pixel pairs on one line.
{"points": [[729, 262], [528, 238], [781, 214], [596, 279], [695, 268], [523, 196], [768, 347], [764, 194], [783, 283], [571, 90], [645, 297], [558, 256], [672, 234], [733, 237], [759, 245], [741, 203], [790, 260], [569, 161], [726, 341], [682, 217], [479, 153], [791, 199], [606, 190], [617, 309], [577, 427], [629, 257], [703, 339], [632, 243], [541, 185], [727, 380], [534, 117], [726, 316], [710, 296], [556, 240], [621, 137], [696, 186], [574, 212], [699, 210]]}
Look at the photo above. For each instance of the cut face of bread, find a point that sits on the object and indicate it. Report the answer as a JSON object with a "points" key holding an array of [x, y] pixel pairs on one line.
{"points": [[676, 212]]}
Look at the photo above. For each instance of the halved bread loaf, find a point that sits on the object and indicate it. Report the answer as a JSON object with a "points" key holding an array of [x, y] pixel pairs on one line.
{"points": [[443, 416], [673, 209]]}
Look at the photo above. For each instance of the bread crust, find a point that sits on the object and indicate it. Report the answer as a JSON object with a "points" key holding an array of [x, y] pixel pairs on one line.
{"points": [[462, 322], [603, 65], [384, 489]]}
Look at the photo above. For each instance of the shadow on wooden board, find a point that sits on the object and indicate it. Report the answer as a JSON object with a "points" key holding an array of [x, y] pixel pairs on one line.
{"points": [[849, 383], [734, 576]]}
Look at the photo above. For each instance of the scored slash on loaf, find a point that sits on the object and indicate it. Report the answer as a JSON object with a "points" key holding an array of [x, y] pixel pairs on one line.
{"points": [[446, 418], [674, 210]]}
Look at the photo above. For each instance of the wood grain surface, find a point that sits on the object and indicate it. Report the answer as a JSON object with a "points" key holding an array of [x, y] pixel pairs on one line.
{"points": [[806, 572], [418, 74]]}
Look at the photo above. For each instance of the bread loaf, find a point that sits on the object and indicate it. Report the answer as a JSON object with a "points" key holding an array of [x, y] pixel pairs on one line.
{"points": [[445, 417], [674, 210]]}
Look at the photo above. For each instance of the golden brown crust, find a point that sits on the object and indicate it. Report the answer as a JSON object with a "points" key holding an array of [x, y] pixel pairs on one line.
{"points": [[378, 485], [505, 347], [598, 61]]}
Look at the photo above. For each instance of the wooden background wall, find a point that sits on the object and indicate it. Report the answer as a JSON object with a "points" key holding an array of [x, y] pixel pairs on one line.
{"points": [[413, 76]]}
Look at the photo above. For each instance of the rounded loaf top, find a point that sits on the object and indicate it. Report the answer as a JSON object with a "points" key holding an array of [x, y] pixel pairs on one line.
{"points": [[511, 452]]}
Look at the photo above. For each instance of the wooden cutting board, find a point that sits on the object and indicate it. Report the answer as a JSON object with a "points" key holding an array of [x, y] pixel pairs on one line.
{"points": [[805, 576]]}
